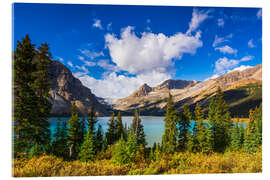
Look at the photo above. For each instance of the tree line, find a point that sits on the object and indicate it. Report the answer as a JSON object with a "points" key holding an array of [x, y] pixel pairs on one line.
{"points": [[83, 138]]}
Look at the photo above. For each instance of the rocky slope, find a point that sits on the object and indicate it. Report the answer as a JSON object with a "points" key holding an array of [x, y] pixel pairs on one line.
{"points": [[242, 89], [66, 89]]}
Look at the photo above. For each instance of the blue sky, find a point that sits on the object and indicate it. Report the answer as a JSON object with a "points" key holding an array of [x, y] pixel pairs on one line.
{"points": [[115, 49]]}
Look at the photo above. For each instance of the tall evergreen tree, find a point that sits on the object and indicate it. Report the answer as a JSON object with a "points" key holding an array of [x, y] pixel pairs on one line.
{"points": [[138, 130], [60, 140], [91, 121], [132, 146], [25, 99], [184, 128], [120, 153], [98, 139], [236, 137], [74, 133], [169, 137], [219, 117], [81, 130], [119, 127], [110, 134], [253, 136], [87, 150], [41, 135]]}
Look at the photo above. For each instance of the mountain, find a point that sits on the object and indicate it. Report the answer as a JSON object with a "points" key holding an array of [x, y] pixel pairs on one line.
{"points": [[242, 91], [66, 89], [174, 84]]}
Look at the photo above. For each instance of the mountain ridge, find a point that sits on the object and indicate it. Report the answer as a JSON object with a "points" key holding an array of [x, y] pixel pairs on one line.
{"points": [[154, 102]]}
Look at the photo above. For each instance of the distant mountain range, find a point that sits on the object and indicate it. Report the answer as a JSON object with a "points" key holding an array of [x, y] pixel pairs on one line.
{"points": [[242, 91]]}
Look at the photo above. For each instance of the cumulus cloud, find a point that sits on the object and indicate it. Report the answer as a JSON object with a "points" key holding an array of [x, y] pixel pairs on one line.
{"points": [[259, 14], [220, 22], [197, 18], [119, 86], [226, 50], [219, 40], [150, 51], [224, 65], [97, 24], [251, 44]]}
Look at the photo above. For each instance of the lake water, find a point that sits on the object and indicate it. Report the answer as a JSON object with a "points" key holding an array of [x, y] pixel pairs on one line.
{"points": [[153, 126]]}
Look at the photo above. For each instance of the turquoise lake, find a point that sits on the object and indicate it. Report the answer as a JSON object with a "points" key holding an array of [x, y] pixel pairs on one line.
{"points": [[153, 126]]}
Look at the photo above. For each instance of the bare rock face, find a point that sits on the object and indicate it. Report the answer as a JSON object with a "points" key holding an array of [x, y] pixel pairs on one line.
{"points": [[142, 91], [66, 89], [174, 84]]}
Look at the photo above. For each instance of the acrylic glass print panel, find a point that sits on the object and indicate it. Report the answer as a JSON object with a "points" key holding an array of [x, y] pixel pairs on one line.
{"points": [[136, 90]]}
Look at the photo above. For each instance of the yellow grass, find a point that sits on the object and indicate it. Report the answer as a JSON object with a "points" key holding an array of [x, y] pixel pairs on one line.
{"points": [[179, 163]]}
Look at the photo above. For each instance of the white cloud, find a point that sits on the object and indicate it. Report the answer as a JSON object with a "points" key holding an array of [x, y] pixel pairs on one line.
{"points": [[82, 68], [70, 64], [226, 50], [197, 18], [97, 24], [119, 86], [224, 65], [240, 68], [220, 22], [246, 58], [90, 54], [150, 51], [259, 14], [251, 44], [89, 63], [107, 66], [219, 40]]}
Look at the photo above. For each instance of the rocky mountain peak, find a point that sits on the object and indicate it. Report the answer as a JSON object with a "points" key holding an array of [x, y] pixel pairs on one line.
{"points": [[174, 84], [142, 91], [66, 89]]}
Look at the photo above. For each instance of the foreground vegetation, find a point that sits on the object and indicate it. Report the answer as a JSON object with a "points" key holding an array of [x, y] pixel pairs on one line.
{"points": [[79, 147], [178, 163]]}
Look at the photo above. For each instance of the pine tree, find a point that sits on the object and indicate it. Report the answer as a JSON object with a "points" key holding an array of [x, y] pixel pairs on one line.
{"points": [[184, 126], [125, 132], [236, 137], [120, 154], [98, 139], [91, 121], [25, 99], [137, 128], [202, 135], [253, 136], [73, 131], [110, 134], [132, 146], [81, 131], [87, 150], [60, 141], [41, 135], [219, 117], [198, 129], [119, 127], [169, 137]]}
